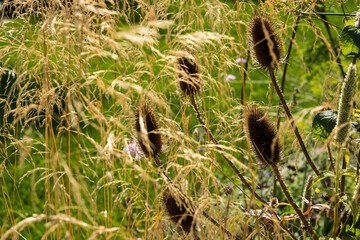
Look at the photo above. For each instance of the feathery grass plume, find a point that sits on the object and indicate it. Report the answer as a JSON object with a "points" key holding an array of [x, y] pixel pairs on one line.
{"points": [[181, 210], [345, 106], [146, 126], [307, 194], [263, 137], [189, 76], [265, 45]]}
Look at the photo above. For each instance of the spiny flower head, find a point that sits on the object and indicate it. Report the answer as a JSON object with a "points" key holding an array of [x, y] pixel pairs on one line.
{"points": [[180, 209], [189, 76], [265, 44], [263, 137], [345, 105], [147, 127]]}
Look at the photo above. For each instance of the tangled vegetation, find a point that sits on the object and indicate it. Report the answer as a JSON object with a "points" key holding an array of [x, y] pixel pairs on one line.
{"points": [[188, 119]]}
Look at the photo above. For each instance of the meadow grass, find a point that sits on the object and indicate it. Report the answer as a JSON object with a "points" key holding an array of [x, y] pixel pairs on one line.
{"points": [[73, 74]]}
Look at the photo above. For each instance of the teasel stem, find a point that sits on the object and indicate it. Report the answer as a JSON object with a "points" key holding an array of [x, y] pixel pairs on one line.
{"points": [[216, 223], [327, 14], [286, 65], [296, 131], [283, 79], [244, 77], [207, 216], [338, 59], [207, 130], [292, 203], [331, 158], [337, 180], [242, 179]]}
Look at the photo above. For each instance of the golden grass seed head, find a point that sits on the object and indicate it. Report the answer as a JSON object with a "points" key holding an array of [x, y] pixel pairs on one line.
{"points": [[265, 44], [179, 209], [189, 78], [263, 137], [147, 127]]}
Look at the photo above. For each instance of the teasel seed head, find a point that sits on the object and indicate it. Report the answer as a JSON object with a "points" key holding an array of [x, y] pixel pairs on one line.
{"points": [[181, 210], [189, 76], [265, 44], [263, 137], [307, 194], [147, 127], [345, 105]]}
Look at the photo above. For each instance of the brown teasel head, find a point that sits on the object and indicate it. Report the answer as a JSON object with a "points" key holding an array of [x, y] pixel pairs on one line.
{"points": [[181, 210], [189, 76], [147, 127], [263, 137], [265, 45]]}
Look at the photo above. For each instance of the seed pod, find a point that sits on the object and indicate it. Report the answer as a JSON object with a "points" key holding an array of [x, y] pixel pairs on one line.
{"points": [[146, 126], [180, 209], [307, 194], [263, 137], [345, 106], [265, 44], [189, 77]]}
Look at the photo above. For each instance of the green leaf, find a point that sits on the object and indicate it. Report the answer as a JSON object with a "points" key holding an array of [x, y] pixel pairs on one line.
{"points": [[350, 41], [351, 229], [323, 124], [323, 175]]}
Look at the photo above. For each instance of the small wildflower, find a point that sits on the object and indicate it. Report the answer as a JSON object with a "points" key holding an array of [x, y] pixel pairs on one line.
{"points": [[230, 77], [133, 149], [240, 60]]}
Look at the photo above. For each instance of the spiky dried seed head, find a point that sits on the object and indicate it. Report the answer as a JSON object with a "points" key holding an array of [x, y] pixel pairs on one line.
{"points": [[263, 137], [265, 44], [189, 76], [180, 209], [147, 127]]}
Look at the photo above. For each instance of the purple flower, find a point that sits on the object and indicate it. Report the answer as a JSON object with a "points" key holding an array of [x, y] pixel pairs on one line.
{"points": [[240, 60], [133, 149], [266, 174], [230, 77]]}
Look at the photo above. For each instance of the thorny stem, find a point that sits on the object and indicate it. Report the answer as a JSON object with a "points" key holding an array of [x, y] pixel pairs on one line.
{"points": [[244, 77], [338, 60], [337, 180], [293, 204], [287, 64], [327, 14], [243, 180], [331, 158], [212, 220], [291, 119], [284, 77]]}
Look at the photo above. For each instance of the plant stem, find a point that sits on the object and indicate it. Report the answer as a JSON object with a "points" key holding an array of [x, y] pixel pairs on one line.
{"points": [[337, 180], [207, 130], [331, 158], [296, 131], [327, 14], [243, 180], [293, 204], [338, 60], [283, 80]]}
